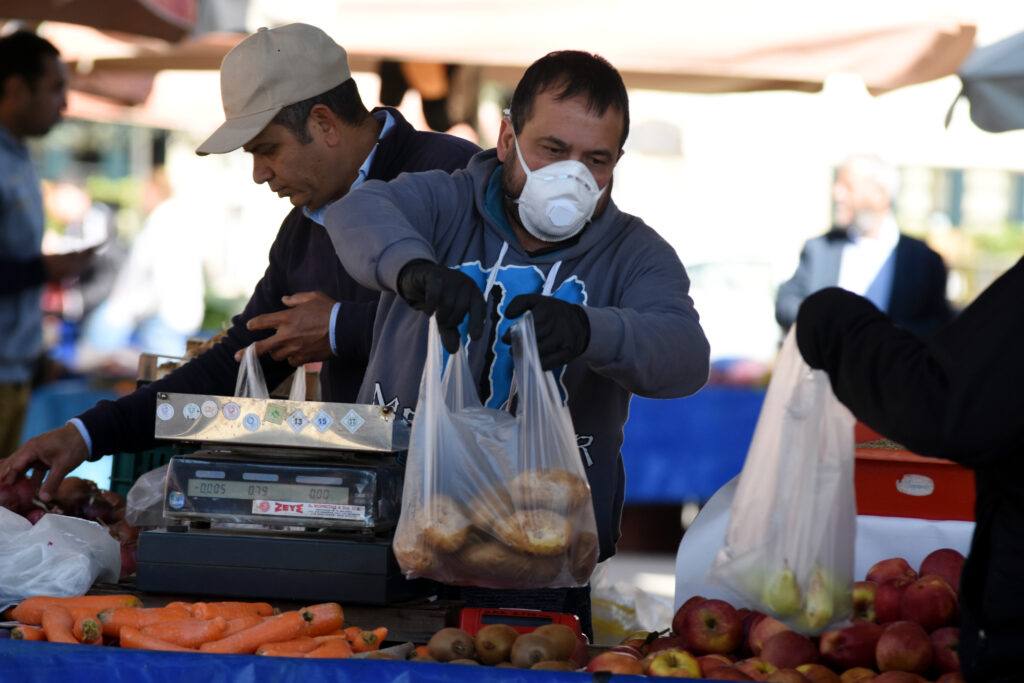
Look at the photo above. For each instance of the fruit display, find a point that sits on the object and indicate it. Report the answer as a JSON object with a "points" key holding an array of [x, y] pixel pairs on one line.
{"points": [[904, 628], [77, 497]]}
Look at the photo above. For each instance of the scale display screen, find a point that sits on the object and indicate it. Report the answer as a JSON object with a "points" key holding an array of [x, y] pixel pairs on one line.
{"points": [[246, 490], [240, 489]]}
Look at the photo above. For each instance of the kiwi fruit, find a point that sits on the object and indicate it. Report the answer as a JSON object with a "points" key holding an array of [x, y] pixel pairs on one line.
{"points": [[555, 665], [505, 665], [450, 643], [531, 648], [465, 660], [562, 637], [494, 643]]}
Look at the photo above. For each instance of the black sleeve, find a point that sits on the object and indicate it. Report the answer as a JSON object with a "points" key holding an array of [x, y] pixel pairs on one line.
{"points": [[793, 291], [956, 395], [18, 275]]}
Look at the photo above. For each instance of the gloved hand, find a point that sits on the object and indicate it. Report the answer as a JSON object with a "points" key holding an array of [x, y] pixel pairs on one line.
{"points": [[445, 293], [563, 329]]}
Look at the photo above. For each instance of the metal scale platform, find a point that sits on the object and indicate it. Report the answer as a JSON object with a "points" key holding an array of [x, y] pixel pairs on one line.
{"points": [[293, 500]]}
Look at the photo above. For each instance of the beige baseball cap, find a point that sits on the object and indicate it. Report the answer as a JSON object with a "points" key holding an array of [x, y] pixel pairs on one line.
{"points": [[266, 72]]}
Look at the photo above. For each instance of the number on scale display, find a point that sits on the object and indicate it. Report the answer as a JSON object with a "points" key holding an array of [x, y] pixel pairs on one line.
{"points": [[245, 490]]}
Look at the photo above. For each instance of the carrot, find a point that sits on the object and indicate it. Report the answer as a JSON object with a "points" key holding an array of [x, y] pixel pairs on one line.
{"points": [[284, 626], [26, 632], [30, 610], [241, 623], [329, 636], [187, 606], [231, 610], [134, 639], [113, 619], [352, 632], [419, 651], [297, 647], [335, 647], [57, 625], [188, 632], [369, 640], [323, 618], [87, 629]]}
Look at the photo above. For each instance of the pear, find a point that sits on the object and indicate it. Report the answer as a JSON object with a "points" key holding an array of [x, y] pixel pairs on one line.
{"points": [[820, 604], [781, 593]]}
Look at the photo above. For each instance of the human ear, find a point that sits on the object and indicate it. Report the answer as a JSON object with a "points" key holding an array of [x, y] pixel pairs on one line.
{"points": [[506, 139]]}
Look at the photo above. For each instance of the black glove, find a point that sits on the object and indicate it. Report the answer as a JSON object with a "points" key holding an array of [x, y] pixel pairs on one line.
{"points": [[563, 329], [445, 293]]}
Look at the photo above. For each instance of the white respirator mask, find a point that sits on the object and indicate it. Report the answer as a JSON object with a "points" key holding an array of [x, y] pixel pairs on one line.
{"points": [[558, 199]]}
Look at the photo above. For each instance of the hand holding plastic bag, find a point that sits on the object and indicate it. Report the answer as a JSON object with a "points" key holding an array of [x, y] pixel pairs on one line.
{"points": [[250, 382], [490, 498], [789, 544], [59, 555]]}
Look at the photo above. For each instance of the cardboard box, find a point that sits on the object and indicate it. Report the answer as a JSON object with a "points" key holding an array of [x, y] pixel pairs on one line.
{"points": [[898, 483]]}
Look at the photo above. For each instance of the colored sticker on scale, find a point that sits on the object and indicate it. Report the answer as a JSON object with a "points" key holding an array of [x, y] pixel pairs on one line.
{"points": [[165, 411], [251, 422], [352, 421], [282, 508], [231, 410], [274, 414], [191, 411], [209, 409], [323, 421], [176, 500], [297, 421]]}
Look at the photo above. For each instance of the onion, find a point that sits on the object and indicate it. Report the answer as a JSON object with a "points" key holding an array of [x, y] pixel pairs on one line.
{"points": [[73, 493], [35, 514]]}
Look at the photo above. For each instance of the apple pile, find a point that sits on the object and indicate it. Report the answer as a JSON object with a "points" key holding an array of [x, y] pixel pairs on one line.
{"points": [[904, 630], [77, 497]]}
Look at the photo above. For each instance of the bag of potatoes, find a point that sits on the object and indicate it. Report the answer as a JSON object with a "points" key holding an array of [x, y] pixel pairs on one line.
{"points": [[492, 498]]}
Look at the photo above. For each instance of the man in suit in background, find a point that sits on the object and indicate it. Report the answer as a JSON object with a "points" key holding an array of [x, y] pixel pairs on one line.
{"points": [[865, 253]]}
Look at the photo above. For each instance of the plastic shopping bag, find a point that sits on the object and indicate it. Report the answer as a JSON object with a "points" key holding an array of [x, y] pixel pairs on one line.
{"points": [[490, 498], [250, 382], [789, 544], [59, 555], [298, 388]]}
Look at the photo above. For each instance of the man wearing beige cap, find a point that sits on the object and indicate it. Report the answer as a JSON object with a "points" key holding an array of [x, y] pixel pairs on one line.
{"points": [[289, 101]]}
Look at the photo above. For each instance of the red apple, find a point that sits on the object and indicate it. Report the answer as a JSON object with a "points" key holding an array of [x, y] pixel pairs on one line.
{"points": [[899, 677], [858, 674], [755, 667], [892, 568], [713, 661], [677, 619], [788, 650], [945, 562], [764, 629], [852, 646], [712, 626], [930, 601], [672, 663], [727, 673], [616, 663], [904, 646], [945, 641], [818, 673], [864, 600], [951, 677], [887, 599], [641, 640], [667, 643], [750, 620], [786, 676]]}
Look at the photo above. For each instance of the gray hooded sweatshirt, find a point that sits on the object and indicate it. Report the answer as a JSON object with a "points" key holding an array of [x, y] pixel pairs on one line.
{"points": [[645, 337]]}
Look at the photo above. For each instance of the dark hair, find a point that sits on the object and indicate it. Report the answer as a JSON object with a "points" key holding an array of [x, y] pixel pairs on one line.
{"points": [[575, 73], [23, 54], [343, 99]]}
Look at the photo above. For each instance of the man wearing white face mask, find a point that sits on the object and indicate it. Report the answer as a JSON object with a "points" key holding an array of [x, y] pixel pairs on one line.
{"points": [[531, 226]]}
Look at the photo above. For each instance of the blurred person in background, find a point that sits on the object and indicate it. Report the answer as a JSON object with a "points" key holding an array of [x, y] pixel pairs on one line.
{"points": [[33, 90], [866, 254], [956, 395], [290, 101], [157, 300]]}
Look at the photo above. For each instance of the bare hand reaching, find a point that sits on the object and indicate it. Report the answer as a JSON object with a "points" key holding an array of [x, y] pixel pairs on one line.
{"points": [[59, 451], [63, 266], [302, 331]]}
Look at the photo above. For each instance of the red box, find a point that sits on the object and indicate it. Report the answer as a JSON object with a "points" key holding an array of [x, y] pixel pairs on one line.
{"points": [[896, 483]]}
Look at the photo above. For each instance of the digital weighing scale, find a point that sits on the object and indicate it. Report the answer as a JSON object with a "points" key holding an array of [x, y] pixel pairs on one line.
{"points": [[294, 500]]}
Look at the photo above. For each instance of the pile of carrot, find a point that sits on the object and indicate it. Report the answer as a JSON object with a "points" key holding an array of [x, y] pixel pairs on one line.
{"points": [[220, 627]]}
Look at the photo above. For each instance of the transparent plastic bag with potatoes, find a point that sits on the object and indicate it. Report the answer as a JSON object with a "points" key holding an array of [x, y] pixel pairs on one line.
{"points": [[789, 543], [494, 498]]}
